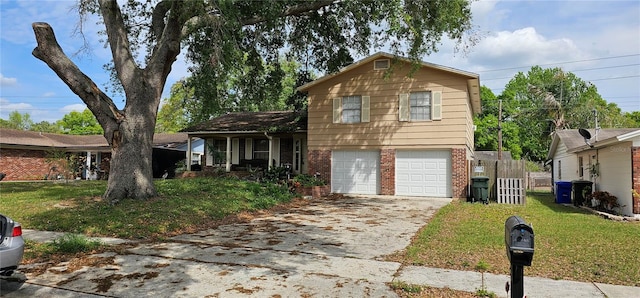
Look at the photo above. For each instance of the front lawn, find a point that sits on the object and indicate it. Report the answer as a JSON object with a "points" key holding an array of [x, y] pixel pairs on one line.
{"points": [[570, 243], [183, 205]]}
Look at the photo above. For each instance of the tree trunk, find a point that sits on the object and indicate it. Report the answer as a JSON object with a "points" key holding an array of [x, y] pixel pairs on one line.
{"points": [[129, 132], [131, 172]]}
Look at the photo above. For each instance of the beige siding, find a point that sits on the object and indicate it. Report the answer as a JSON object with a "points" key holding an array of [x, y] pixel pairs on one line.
{"points": [[384, 129]]}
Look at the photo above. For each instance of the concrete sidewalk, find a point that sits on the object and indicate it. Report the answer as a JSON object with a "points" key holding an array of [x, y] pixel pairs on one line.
{"points": [[330, 248]]}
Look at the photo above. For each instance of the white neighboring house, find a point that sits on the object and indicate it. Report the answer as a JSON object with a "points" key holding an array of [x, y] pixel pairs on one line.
{"points": [[197, 150], [610, 159]]}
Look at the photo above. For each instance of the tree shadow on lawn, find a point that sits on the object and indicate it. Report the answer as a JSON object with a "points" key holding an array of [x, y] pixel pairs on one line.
{"points": [[548, 200]]}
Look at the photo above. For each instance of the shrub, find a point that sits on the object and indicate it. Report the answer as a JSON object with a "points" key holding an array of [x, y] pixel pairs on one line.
{"points": [[307, 180], [604, 200]]}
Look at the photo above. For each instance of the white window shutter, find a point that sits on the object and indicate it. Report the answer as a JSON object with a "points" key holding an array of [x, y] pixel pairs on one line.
{"points": [[436, 105], [248, 148], [235, 151], [276, 152], [337, 109], [403, 110], [208, 152], [365, 109]]}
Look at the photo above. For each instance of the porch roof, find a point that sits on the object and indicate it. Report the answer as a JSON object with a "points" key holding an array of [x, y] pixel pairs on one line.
{"points": [[252, 122]]}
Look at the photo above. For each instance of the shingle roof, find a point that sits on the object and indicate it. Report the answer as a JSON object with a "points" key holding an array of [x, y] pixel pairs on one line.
{"points": [[41, 139], [572, 138], [276, 121]]}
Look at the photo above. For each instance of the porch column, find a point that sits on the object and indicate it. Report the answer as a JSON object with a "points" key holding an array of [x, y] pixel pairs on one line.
{"points": [[228, 155], [87, 171], [188, 153]]}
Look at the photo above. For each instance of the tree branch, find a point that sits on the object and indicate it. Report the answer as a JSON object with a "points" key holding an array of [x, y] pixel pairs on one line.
{"points": [[290, 11], [49, 51], [157, 18], [123, 60]]}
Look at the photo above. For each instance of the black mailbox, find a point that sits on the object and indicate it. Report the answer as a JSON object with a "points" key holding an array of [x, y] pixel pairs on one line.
{"points": [[518, 237]]}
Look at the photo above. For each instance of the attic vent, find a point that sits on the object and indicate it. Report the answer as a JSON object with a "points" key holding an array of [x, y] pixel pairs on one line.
{"points": [[381, 64]]}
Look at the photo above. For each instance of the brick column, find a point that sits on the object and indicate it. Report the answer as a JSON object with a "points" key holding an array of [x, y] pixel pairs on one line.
{"points": [[459, 179], [635, 173], [320, 162], [388, 171]]}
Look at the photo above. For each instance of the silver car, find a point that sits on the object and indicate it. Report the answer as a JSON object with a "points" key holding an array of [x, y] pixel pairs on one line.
{"points": [[11, 245]]}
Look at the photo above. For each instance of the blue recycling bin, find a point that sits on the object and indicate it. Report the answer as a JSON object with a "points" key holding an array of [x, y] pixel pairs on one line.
{"points": [[563, 192]]}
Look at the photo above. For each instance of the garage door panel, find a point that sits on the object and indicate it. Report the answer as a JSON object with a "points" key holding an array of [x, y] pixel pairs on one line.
{"points": [[355, 172], [423, 173]]}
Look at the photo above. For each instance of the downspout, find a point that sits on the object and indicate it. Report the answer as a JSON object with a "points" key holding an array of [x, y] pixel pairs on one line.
{"points": [[270, 161]]}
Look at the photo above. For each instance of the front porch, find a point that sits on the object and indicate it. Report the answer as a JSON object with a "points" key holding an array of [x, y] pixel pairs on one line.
{"points": [[251, 140]]}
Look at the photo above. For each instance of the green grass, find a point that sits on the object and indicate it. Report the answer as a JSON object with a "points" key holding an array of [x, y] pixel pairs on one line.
{"points": [[65, 244], [182, 205], [569, 243]]}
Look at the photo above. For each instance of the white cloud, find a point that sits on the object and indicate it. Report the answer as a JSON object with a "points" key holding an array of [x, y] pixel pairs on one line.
{"points": [[524, 47], [74, 107], [6, 82]]}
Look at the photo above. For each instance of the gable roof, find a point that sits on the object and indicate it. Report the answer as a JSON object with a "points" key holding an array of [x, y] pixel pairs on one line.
{"points": [[574, 142], [21, 138], [473, 79], [253, 122]]}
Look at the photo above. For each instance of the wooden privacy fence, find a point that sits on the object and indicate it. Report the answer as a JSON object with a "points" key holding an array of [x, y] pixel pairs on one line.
{"points": [[511, 190]]}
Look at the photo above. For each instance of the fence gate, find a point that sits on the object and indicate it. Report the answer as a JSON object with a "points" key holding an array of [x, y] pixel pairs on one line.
{"points": [[511, 191]]}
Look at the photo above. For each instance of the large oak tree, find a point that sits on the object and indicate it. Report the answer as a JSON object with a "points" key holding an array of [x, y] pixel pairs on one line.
{"points": [[215, 33]]}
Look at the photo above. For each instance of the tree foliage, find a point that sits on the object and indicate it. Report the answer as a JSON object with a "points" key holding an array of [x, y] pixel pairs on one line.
{"points": [[536, 104], [80, 123], [183, 108]]}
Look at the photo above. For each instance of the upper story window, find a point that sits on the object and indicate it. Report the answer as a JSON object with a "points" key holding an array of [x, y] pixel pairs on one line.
{"points": [[351, 109], [420, 106]]}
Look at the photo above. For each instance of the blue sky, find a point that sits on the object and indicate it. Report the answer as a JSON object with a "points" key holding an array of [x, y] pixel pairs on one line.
{"points": [[599, 41]]}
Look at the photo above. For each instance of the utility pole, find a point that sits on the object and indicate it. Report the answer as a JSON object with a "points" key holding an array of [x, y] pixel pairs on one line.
{"points": [[500, 129]]}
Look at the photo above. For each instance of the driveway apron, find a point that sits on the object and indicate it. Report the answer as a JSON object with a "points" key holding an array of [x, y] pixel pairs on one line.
{"points": [[331, 247]]}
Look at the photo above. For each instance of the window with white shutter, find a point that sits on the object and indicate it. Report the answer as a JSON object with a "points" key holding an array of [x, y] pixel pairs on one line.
{"points": [[351, 109], [420, 106]]}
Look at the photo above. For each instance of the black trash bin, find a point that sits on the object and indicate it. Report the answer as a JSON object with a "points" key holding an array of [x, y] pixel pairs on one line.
{"points": [[480, 189], [579, 191]]}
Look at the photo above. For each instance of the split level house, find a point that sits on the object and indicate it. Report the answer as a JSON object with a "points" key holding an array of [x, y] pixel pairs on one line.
{"points": [[610, 159], [383, 125]]}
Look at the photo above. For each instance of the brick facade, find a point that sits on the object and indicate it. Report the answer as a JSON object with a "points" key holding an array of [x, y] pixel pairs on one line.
{"points": [[459, 177], [20, 164], [388, 171], [635, 173], [320, 162]]}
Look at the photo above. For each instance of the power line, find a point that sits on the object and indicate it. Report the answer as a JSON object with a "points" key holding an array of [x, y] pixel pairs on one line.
{"points": [[566, 62]]}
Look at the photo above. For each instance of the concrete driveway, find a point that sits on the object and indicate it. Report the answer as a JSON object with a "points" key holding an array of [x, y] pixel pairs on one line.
{"points": [[332, 247]]}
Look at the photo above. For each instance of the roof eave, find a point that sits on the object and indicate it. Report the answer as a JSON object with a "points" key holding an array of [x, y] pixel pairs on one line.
{"points": [[379, 55]]}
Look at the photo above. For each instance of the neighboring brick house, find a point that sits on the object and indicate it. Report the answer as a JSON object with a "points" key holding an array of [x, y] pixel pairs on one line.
{"points": [[383, 126], [610, 160], [28, 155]]}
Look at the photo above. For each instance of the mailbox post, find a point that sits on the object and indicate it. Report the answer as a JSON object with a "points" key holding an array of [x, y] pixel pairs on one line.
{"points": [[519, 241]]}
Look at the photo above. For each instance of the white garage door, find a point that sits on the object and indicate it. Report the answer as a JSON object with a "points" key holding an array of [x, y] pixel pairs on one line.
{"points": [[355, 172], [423, 173]]}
